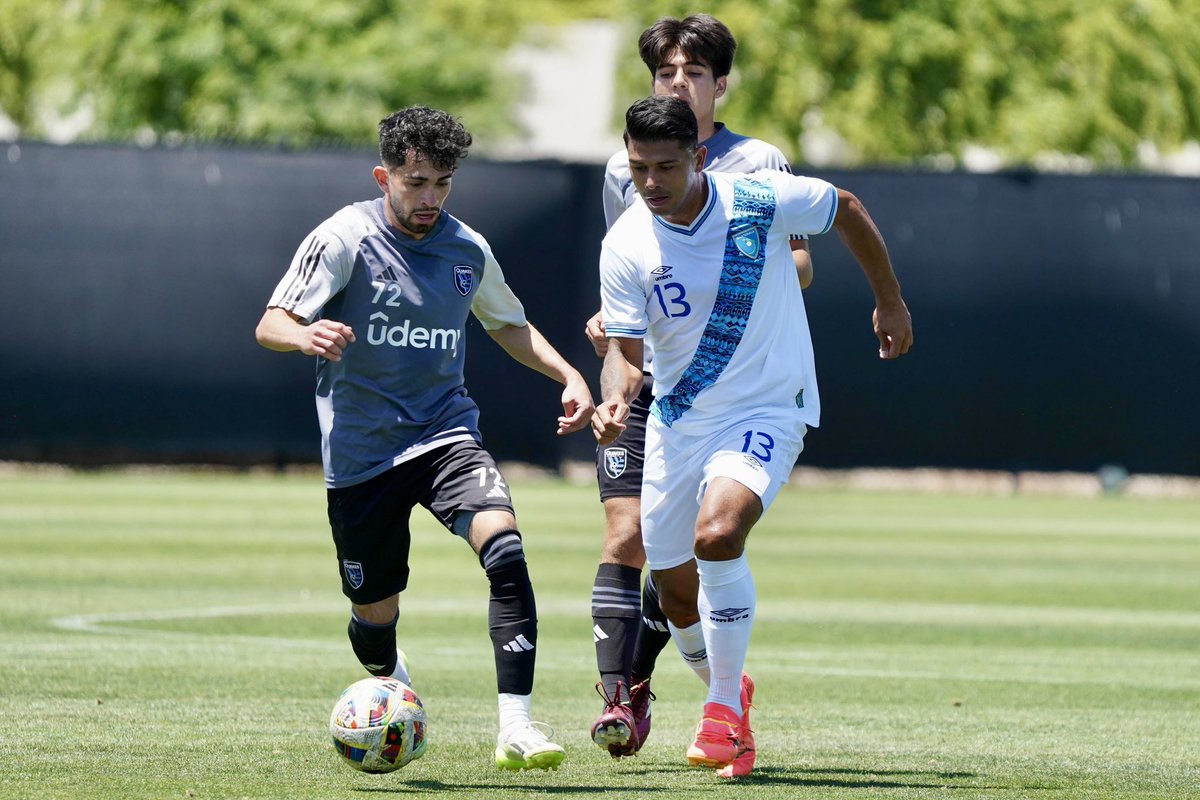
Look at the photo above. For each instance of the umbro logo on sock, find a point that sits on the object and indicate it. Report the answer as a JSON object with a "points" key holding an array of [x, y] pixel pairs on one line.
{"points": [[696, 657], [728, 614], [518, 645]]}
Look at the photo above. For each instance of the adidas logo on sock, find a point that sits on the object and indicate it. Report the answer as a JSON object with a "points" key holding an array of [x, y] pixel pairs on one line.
{"points": [[655, 625], [598, 633], [518, 645]]}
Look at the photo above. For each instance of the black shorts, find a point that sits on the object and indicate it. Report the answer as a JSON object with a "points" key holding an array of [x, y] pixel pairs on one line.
{"points": [[370, 519], [619, 465]]}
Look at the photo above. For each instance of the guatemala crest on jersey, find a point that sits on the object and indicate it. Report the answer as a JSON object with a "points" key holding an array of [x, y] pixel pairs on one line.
{"points": [[747, 242], [615, 459], [354, 573], [464, 279]]}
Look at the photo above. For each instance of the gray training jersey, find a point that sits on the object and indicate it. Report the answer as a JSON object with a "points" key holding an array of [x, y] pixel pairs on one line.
{"points": [[398, 389]]}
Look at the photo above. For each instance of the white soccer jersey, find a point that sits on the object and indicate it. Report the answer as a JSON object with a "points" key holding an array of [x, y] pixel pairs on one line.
{"points": [[719, 301], [726, 151]]}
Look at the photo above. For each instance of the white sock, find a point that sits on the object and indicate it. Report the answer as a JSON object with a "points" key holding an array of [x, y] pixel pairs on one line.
{"points": [[690, 641], [514, 710], [727, 601]]}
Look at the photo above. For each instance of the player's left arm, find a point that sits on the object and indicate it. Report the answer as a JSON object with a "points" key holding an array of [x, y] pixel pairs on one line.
{"points": [[527, 345], [802, 257], [856, 229]]}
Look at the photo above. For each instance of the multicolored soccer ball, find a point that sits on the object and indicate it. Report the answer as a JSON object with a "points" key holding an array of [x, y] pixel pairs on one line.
{"points": [[378, 725]]}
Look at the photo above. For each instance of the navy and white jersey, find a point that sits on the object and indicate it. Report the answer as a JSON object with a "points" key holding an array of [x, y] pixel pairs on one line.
{"points": [[727, 152], [398, 389], [719, 300]]}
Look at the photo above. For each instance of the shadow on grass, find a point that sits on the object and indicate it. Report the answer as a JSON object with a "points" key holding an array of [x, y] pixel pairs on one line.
{"points": [[813, 777], [439, 786]]}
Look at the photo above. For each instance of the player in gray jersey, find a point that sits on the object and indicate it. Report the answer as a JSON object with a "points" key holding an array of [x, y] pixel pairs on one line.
{"points": [[689, 59], [380, 293]]}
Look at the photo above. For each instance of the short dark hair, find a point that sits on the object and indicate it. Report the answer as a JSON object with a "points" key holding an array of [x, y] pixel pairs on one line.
{"points": [[433, 135], [662, 119], [702, 37]]}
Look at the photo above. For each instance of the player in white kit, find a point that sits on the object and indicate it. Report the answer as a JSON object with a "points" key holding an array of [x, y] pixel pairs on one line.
{"points": [[700, 268], [691, 59]]}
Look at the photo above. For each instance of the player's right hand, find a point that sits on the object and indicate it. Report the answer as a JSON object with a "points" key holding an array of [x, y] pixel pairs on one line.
{"points": [[594, 331], [609, 421], [326, 338]]}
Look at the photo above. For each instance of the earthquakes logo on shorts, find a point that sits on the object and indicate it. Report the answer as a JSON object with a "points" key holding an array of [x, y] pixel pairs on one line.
{"points": [[729, 614], [354, 573], [464, 278], [615, 459]]}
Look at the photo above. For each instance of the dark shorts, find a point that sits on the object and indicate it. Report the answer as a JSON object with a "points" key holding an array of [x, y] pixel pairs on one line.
{"points": [[370, 519], [619, 465]]}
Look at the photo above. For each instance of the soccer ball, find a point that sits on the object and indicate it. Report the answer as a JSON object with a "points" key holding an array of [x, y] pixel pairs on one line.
{"points": [[378, 725]]}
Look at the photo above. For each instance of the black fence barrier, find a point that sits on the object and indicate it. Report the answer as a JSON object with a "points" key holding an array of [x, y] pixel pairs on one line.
{"points": [[1057, 318]]}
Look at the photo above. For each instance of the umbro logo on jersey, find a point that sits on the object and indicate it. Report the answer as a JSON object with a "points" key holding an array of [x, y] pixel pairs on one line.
{"points": [[728, 614], [464, 279], [518, 645], [663, 272], [615, 459]]}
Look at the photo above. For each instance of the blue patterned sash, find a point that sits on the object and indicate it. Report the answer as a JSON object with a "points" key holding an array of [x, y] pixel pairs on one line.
{"points": [[741, 272]]}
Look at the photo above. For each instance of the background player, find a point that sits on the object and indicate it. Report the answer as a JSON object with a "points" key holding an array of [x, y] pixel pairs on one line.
{"points": [[380, 293], [690, 59], [701, 270]]}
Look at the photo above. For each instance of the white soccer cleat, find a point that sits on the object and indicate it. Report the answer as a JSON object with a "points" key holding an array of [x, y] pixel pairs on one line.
{"points": [[528, 746], [401, 673]]}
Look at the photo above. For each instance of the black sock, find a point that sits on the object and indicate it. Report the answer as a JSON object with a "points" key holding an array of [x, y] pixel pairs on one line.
{"points": [[615, 615], [375, 645], [652, 635], [512, 612]]}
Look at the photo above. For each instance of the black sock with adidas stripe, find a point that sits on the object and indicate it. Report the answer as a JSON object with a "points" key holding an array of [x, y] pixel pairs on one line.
{"points": [[512, 612], [616, 615]]}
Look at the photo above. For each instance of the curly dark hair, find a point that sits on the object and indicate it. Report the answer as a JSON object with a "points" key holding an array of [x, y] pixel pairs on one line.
{"points": [[433, 135], [702, 37]]}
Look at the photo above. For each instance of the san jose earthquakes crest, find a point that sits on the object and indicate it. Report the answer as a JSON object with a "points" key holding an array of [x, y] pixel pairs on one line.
{"points": [[354, 573], [464, 279], [615, 459]]}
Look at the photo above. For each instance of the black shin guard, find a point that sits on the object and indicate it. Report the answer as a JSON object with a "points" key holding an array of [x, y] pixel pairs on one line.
{"points": [[375, 645], [615, 621], [512, 612], [653, 634]]}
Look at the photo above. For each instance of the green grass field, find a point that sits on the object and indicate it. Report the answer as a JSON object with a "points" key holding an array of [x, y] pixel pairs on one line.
{"points": [[182, 635]]}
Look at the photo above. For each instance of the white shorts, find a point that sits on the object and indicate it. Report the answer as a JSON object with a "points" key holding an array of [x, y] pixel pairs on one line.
{"points": [[679, 468]]}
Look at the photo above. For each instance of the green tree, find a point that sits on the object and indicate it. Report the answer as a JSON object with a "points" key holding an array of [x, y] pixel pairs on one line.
{"points": [[899, 80], [294, 71]]}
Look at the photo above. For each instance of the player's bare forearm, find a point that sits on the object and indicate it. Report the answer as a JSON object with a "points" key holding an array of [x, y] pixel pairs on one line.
{"points": [[526, 345], [283, 331], [621, 376], [802, 258], [620, 383], [892, 321]]}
